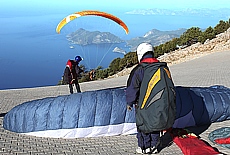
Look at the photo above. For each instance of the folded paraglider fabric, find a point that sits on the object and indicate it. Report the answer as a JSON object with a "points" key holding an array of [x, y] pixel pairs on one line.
{"points": [[187, 141], [197, 106], [221, 137], [87, 114], [223, 140], [191, 145], [104, 112]]}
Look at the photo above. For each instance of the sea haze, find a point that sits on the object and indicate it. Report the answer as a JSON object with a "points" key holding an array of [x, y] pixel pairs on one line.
{"points": [[32, 54]]}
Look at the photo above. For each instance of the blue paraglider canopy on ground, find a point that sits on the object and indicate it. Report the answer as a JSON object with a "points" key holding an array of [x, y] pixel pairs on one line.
{"points": [[104, 112]]}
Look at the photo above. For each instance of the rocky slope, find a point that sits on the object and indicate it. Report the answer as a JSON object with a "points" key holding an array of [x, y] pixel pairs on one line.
{"points": [[220, 43]]}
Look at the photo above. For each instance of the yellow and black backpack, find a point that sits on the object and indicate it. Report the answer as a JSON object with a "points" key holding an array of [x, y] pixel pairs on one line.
{"points": [[156, 108]]}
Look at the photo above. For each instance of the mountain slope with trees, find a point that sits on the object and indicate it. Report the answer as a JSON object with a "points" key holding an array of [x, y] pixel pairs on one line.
{"points": [[191, 41]]}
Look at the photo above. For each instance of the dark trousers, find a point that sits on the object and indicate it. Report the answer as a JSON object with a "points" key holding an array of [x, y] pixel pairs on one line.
{"points": [[77, 87], [147, 140]]}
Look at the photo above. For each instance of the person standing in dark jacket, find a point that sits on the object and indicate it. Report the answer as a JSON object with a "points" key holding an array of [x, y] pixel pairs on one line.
{"points": [[146, 141], [71, 73]]}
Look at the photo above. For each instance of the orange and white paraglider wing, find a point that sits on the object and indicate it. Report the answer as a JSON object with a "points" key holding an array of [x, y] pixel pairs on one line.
{"points": [[65, 21], [90, 12]]}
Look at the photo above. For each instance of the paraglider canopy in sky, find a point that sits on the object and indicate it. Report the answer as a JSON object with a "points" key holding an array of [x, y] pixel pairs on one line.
{"points": [[91, 12], [85, 36]]}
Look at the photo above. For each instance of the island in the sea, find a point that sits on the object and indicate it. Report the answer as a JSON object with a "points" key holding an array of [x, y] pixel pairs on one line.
{"points": [[84, 37], [156, 37]]}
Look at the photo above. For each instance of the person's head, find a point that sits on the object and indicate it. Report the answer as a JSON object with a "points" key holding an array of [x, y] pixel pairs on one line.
{"points": [[143, 49], [78, 59]]}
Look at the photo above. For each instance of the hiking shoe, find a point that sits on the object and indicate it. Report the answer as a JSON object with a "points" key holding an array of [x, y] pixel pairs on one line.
{"points": [[146, 151], [139, 150], [154, 150]]}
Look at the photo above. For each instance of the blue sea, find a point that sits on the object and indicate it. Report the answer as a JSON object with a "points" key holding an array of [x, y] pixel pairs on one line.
{"points": [[33, 55]]}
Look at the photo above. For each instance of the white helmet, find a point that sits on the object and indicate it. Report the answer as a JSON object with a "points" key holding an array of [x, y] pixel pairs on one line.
{"points": [[142, 49]]}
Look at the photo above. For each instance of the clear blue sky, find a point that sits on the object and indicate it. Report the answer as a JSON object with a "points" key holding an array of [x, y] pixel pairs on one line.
{"points": [[61, 8], [12, 6]]}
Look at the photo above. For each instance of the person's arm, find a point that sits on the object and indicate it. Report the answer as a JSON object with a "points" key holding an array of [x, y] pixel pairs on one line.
{"points": [[133, 87], [78, 70]]}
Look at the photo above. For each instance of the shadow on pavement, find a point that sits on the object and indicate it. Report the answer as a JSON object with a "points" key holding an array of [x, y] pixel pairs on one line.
{"points": [[2, 114]]}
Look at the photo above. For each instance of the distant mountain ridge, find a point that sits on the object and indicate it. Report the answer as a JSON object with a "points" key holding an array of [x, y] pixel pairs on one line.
{"points": [[205, 12], [156, 37]]}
